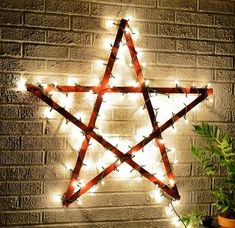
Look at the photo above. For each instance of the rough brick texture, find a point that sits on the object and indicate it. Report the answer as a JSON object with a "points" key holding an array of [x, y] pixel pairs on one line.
{"points": [[53, 40]]}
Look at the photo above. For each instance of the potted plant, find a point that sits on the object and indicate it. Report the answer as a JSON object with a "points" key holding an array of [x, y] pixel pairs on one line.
{"points": [[218, 152]]}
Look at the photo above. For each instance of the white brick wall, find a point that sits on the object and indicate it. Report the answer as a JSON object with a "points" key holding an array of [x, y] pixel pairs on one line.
{"points": [[192, 41]]}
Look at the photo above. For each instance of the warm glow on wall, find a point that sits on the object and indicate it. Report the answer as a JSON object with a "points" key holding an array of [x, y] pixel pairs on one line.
{"points": [[163, 105]]}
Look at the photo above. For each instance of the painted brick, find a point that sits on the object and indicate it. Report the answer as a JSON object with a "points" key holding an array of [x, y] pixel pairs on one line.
{"points": [[154, 15], [179, 4], [9, 142], [82, 53], [95, 24], [22, 157], [195, 46], [59, 216], [30, 187], [15, 128], [23, 34], [22, 65], [68, 6], [216, 34], [218, 116], [11, 17], [47, 21], [69, 38], [114, 11], [46, 51], [225, 75], [131, 199], [43, 142], [176, 59], [23, 5], [70, 67], [15, 218], [29, 112], [182, 170], [225, 48], [177, 31], [215, 61], [163, 44], [110, 214], [193, 183], [10, 49], [9, 80], [216, 6], [224, 89], [147, 212], [134, 224], [8, 112], [194, 18], [11, 96], [8, 203], [146, 28], [227, 104], [224, 20]]}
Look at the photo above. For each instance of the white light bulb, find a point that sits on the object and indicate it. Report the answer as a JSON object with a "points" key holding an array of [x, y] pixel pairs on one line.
{"points": [[109, 24], [21, 84], [48, 113], [171, 182], [72, 81], [176, 221], [56, 197], [169, 210], [135, 33]]}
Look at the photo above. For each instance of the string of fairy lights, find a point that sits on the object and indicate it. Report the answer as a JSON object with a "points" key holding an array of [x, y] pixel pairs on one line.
{"points": [[64, 100]]}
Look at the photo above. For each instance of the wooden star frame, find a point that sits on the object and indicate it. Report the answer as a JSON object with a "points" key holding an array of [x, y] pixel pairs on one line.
{"points": [[42, 92]]}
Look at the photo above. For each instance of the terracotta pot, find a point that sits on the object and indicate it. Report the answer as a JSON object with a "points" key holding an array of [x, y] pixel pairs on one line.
{"points": [[225, 222]]}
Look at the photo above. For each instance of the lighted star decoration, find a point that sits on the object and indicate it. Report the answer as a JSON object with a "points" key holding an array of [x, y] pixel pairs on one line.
{"points": [[170, 189]]}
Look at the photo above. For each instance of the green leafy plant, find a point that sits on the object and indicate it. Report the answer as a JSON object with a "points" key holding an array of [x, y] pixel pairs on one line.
{"points": [[192, 219], [218, 151]]}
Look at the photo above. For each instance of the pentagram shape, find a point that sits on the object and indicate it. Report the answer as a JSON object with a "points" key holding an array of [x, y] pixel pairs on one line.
{"points": [[170, 189]]}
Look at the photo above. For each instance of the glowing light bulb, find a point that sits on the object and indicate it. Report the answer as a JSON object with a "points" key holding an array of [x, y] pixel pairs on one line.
{"points": [[186, 121], [161, 141], [99, 63], [72, 81], [48, 113], [68, 165], [168, 210], [129, 17], [107, 43], [74, 183], [174, 130], [56, 197], [21, 84], [55, 83], [176, 83], [102, 182], [139, 52], [209, 85], [144, 64], [211, 100], [42, 83], [156, 195], [79, 202], [175, 161], [93, 189], [171, 182], [146, 82], [109, 24], [176, 221], [135, 33]]}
